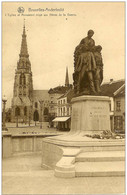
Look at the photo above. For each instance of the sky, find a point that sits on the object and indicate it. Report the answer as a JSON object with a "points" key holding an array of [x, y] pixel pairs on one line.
{"points": [[52, 39]]}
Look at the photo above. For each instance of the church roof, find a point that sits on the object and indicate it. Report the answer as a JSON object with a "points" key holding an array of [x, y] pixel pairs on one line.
{"points": [[40, 94]]}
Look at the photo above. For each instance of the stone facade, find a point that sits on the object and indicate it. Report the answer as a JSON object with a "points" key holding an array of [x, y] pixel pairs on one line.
{"points": [[23, 85], [41, 104], [27, 104]]}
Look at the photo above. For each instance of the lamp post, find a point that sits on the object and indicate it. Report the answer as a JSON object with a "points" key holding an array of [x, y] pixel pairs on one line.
{"points": [[41, 105], [4, 100]]}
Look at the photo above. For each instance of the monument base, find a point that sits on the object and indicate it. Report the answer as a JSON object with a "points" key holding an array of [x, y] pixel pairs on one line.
{"points": [[90, 115]]}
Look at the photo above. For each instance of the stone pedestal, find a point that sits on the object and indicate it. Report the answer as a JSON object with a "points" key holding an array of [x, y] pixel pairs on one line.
{"points": [[90, 114]]}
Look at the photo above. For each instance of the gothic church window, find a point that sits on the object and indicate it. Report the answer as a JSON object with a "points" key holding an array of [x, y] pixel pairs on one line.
{"points": [[20, 91], [25, 111], [24, 91], [36, 104], [46, 111], [17, 111], [22, 79]]}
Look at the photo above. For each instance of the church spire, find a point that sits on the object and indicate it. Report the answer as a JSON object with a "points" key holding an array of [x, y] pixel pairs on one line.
{"points": [[67, 78], [23, 51]]}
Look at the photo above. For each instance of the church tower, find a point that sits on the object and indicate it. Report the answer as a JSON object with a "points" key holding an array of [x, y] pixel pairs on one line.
{"points": [[67, 78], [23, 85]]}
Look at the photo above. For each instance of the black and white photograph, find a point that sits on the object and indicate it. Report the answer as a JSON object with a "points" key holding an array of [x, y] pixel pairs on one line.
{"points": [[63, 97]]}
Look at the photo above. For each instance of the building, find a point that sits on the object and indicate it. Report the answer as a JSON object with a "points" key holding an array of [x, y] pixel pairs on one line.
{"points": [[23, 85], [116, 91], [119, 109], [54, 94], [64, 109], [41, 105], [27, 104]]}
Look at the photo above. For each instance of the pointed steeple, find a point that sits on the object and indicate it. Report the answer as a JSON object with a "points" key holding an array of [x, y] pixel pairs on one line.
{"points": [[23, 51], [67, 78]]}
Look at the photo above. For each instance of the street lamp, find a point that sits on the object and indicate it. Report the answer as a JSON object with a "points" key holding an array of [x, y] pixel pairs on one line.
{"points": [[41, 105], [4, 100]]}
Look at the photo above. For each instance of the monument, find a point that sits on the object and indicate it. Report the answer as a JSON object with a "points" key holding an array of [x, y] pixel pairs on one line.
{"points": [[90, 110], [90, 116], [88, 67]]}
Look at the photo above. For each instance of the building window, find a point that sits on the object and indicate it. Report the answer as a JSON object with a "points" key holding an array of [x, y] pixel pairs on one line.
{"points": [[25, 111], [68, 111], [36, 105], [118, 124], [64, 111], [110, 107], [61, 101], [64, 101], [118, 105]]}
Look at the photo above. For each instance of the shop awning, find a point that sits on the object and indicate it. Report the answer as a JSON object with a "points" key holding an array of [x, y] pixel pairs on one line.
{"points": [[60, 119]]}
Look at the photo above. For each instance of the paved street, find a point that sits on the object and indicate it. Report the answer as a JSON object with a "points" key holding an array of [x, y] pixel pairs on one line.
{"points": [[24, 175]]}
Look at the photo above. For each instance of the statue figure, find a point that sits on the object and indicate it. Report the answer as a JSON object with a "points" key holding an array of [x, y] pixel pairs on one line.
{"points": [[88, 66], [98, 77]]}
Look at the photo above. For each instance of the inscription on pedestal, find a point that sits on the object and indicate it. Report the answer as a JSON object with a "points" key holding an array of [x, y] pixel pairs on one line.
{"points": [[97, 112], [90, 115], [98, 116]]}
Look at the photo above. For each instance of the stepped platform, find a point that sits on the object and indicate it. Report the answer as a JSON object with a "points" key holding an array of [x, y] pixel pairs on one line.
{"points": [[101, 156], [97, 169], [105, 163], [78, 156]]}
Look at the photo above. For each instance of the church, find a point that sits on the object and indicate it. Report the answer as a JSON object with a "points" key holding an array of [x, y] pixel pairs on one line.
{"points": [[29, 104]]}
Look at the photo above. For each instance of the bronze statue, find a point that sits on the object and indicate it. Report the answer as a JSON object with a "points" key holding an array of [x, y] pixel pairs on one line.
{"points": [[88, 67]]}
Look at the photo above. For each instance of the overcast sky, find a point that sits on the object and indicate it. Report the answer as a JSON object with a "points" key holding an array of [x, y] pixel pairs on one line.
{"points": [[52, 40]]}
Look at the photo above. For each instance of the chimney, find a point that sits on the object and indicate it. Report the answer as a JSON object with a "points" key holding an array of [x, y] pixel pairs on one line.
{"points": [[111, 80]]}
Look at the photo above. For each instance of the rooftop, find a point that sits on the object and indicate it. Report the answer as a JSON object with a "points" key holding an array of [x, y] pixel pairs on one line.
{"points": [[69, 94], [41, 94], [58, 89], [110, 88]]}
